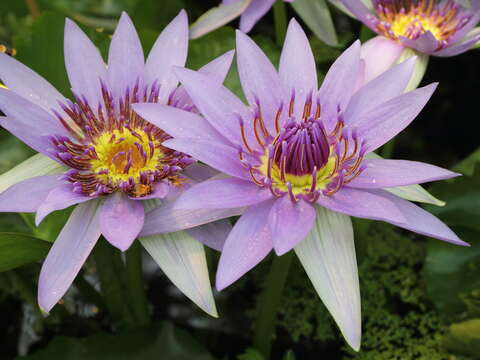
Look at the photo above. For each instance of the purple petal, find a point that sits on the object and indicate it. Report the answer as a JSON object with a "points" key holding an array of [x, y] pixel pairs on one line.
{"points": [[297, 66], [338, 86], [290, 223], [381, 173], [474, 11], [220, 107], [222, 194], [328, 257], [165, 218], [212, 235], [121, 220], [366, 204], [426, 43], [85, 66], [28, 195], [360, 11], [390, 84], [421, 221], [125, 58], [254, 12], [68, 253], [376, 65], [59, 198], [216, 69], [199, 172], [248, 243], [169, 50], [385, 121], [178, 123], [159, 191], [459, 47], [260, 80], [27, 83], [221, 157]]}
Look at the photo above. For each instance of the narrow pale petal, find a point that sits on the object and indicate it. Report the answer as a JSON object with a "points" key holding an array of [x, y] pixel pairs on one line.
{"points": [[328, 257], [254, 12], [221, 157], [260, 81], [28, 195], [37, 165], [68, 253], [426, 43], [126, 61], [27, 83], [367, 204], [385, 121], [360, 11], [170, 49], [338, 86], [199, 172], [222, 194], [461, 46], [85, 66], [248, 244], [121, 220], [290, 223], [422, 222], [166, 219], [380, 173], [376, 65], [182, 259], [217, 17], [213, 234], [59, 198], [298, 70]]}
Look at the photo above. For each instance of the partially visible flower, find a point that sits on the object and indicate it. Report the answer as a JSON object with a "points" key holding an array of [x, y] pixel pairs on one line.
{"points": [[113, 161], [299, 159], [250, 12], [429, 27]]}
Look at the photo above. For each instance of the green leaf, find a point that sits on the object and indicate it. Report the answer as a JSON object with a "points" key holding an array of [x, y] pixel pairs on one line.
{"points": [[467, 166], [154, 14], [289, 355], [161, 341], [20, 249], [250, 354], [464, 338]]}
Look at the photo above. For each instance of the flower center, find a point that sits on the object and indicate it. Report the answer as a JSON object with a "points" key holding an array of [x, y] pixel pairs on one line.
{"points": [[412, 18], [114, 149], [301, 159]]}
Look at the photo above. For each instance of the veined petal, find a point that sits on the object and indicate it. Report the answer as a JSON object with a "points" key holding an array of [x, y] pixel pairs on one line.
{"points": [[385, 121], [290, 223], [68, 253], [213, 234], [182, 259], [221, 194], [121, 220], [170, 49], [380, 173], [37, 165], [328, 257], [297, 66], [165, 218], [85, 67], [126, 61], [27, 83], [254, 12], [59, 198], [260, 81], [28, 195], [365, 204], [217, 155], [460, 47], [248, 244]]}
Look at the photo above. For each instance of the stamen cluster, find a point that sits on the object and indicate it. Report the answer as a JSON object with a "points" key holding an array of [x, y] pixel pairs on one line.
{"points": [[301, 157], [112, 148]]}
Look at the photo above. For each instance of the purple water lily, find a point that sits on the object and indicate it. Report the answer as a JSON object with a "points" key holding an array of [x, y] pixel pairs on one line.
{"points": [[110, 159], [300, 160]]}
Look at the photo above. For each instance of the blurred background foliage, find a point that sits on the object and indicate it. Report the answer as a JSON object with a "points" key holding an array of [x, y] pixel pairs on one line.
{"points": [[420, 297]]}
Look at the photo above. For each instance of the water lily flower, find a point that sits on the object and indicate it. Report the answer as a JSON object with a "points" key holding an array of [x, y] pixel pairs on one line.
{"points": [[250, 12], [300, 160], [97, 154], [430, 27]]}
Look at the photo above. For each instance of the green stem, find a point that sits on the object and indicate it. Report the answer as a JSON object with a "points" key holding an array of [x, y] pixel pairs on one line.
{"points": [[268, 303], [136, 290], [111, 273], [280, 16]]}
